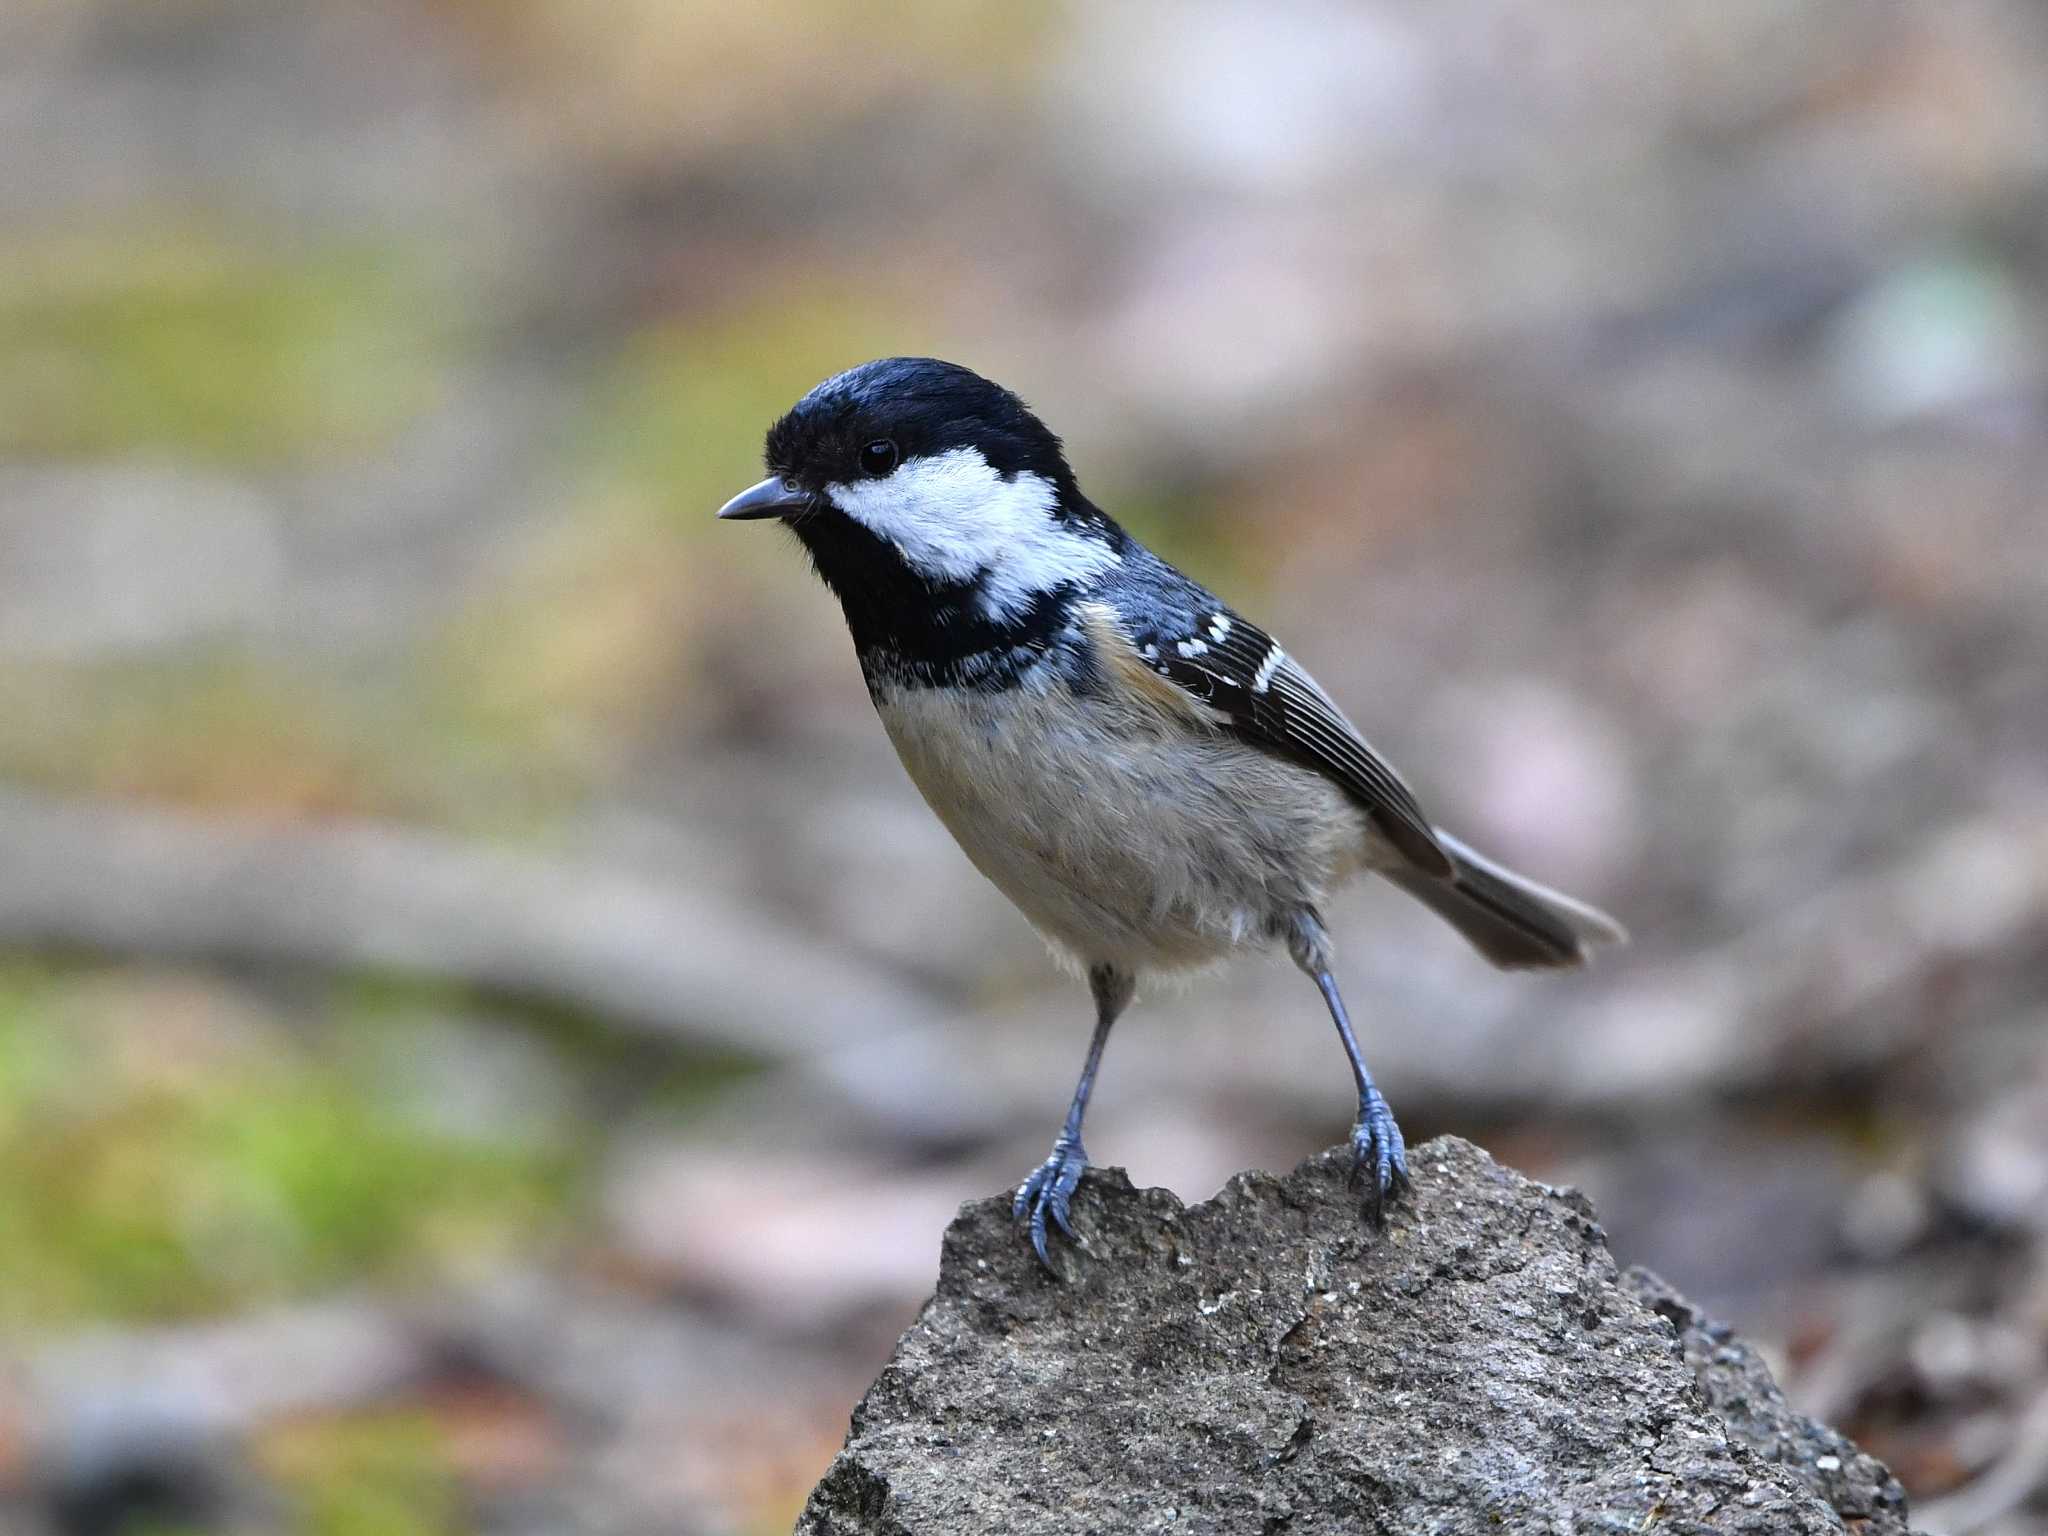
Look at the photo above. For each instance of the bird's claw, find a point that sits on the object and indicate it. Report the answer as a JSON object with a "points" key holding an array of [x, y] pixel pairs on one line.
{"points": [[1379, 1157], [1049, 1191]]}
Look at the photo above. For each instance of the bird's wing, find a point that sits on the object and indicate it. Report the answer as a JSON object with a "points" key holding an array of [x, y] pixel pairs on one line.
{"points": [[1253, 689]]}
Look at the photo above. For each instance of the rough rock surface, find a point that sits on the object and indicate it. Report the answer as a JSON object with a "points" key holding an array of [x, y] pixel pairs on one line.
{"points": [[1259, 1363]]}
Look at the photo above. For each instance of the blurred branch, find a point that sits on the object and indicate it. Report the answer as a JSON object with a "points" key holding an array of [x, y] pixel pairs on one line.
{"points": [[711, 966], [702, 966]]}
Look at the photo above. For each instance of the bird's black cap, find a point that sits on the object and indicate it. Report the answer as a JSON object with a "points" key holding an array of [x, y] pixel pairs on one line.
{"points": [[922, 405]]}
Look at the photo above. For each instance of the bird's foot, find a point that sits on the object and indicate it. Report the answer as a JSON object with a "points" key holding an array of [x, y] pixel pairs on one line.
{"points": [[1379, 1157], [1049, 1192]]}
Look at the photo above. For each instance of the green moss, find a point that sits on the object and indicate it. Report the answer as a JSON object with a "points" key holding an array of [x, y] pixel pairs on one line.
{"points": [[379, 1475], [183, 340], [140, 1192]]}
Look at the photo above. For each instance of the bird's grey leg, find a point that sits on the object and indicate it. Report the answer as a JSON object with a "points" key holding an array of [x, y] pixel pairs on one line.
{"points": [[1050, 1189], [1379, 1156]]}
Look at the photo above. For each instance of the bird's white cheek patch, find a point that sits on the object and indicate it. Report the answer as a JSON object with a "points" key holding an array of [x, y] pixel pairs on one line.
{"points": [[953, 518]]}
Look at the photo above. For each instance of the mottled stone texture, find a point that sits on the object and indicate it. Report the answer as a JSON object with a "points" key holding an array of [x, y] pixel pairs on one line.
{"points": [[1262, 1364]]}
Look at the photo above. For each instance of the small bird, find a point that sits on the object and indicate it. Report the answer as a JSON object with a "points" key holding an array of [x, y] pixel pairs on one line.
{"points": [[1141, 769]]}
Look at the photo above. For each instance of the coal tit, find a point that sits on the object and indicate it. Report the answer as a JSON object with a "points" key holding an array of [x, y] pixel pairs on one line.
{"points": [[1145, 772]]}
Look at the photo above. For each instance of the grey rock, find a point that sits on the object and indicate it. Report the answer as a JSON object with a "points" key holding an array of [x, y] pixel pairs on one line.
{"points": [[1738, 1386], [1262, 1363]]}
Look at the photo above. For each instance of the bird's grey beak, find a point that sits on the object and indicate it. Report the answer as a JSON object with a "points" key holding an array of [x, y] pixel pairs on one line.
{"points": [[771, 498]]}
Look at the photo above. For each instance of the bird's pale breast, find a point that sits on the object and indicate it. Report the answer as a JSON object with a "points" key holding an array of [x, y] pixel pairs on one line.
{"points": [[1124, 831]]}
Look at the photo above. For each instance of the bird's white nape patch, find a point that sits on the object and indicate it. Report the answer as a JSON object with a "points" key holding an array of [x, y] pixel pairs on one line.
{"points": [[951, 516]]}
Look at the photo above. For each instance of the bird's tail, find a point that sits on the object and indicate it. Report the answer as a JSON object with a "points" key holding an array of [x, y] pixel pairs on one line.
{"points": [[1513, 921]]}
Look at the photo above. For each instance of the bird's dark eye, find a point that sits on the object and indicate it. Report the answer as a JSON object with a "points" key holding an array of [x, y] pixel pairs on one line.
{"points": [[878, 458]]}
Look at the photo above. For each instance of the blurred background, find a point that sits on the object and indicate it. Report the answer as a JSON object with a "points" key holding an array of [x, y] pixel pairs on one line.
{"points": [[489, 1038]]}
